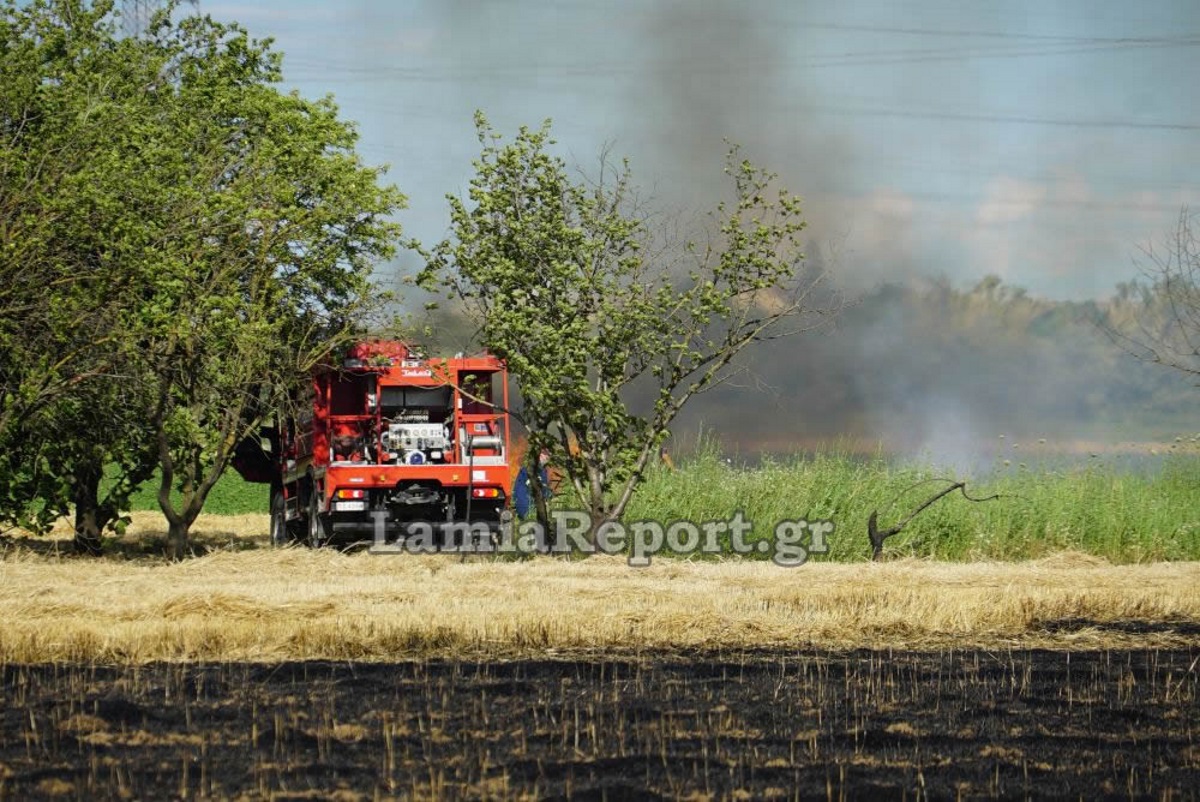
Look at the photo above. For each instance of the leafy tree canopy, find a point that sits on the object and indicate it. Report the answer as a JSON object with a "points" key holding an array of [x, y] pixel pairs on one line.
{"points": [[573, 283], [199, 233]]}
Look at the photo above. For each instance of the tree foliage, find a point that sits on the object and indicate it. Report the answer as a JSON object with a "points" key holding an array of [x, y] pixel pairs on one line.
{"points": [[570, 283], [185, 229], [273, 227], [63, 391]]}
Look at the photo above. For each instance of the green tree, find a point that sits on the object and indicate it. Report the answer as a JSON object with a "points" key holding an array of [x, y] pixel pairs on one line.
{"points": [[217, 238], [571, 284], [266, 226], [65, 404]]}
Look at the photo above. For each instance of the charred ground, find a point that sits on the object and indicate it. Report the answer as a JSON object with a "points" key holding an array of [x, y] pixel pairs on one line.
{"points": [[949, 724]]}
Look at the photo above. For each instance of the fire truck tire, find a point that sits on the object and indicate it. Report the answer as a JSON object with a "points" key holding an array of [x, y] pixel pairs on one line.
{"points": [[318, 528], [280, 534]]}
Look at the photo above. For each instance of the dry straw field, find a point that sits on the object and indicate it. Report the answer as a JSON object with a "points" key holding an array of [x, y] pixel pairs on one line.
{"points": [[262, 604], [258, 673]]}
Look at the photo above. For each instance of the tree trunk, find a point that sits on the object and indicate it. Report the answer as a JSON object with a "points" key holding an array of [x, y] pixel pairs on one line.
{"points": [[177, 537], [598, 514], [192, 498], [631, 484], [86, 497], [538, 492], [599, 517]]}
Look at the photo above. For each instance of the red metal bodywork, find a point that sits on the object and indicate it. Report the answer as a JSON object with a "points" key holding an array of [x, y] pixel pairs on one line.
{"points": [[388, 430]]}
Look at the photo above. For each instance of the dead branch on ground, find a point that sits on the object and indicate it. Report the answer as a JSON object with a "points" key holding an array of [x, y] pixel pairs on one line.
{"points": [[878, 536]]}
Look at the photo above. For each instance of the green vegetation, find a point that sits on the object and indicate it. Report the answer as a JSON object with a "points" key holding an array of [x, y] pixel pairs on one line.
{"points": [[231, 495], [181, 240], [1099, 509], [572, 284]]}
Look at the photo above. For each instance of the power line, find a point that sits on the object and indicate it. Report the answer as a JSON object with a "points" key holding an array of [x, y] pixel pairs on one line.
{"points": [[998, 118], [945, 116], [866, 59], [859, 58], [1036, 37]]}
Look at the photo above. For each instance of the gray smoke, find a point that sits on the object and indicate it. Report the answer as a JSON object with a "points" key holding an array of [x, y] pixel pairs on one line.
{"points": [[669, 83]]}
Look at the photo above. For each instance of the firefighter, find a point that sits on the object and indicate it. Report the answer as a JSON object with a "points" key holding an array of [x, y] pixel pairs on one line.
{"points": [[347, 448], [522, 490], [664, 456]]}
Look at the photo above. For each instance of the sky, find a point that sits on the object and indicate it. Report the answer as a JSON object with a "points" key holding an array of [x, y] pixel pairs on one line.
{"points": [[1044, 142]]}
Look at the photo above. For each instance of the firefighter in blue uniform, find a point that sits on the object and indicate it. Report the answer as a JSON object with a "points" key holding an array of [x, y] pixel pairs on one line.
{"points": [[523, 493]]}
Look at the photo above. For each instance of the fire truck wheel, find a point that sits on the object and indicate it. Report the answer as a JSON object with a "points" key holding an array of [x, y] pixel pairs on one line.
{"points": [[280, 536], [318, 531]]}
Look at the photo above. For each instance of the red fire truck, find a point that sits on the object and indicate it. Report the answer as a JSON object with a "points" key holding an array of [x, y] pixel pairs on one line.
{"points": [[387, 438]]}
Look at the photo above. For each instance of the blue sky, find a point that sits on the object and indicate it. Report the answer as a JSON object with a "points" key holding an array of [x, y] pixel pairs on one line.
{"points": [[1040, 141]]}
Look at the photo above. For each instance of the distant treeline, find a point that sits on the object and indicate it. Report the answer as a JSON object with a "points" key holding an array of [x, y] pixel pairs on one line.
{"points": [[927, 361], [926, 364]]}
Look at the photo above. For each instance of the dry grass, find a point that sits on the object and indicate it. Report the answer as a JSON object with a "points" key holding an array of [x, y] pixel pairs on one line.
{"points": [[263, 604], [147, 531]]}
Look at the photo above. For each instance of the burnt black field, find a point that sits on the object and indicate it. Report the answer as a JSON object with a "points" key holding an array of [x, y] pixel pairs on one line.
{"points": [[947, 725]]}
